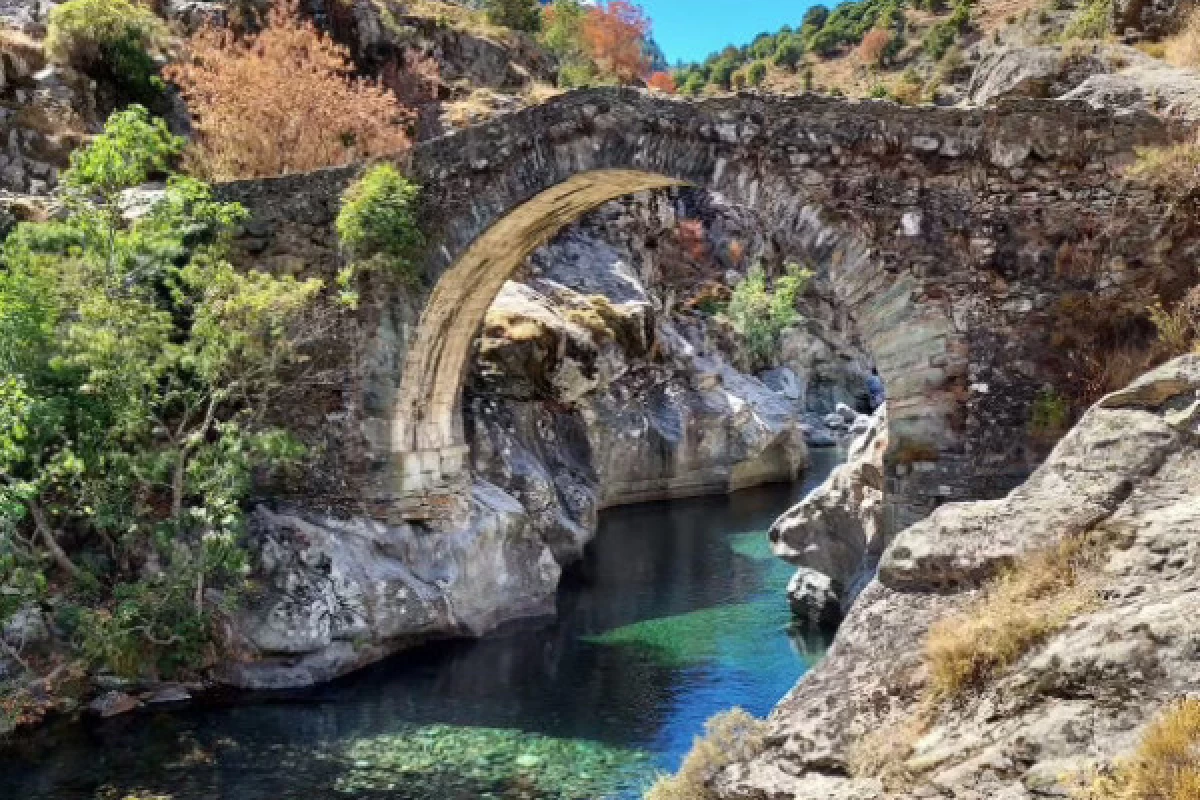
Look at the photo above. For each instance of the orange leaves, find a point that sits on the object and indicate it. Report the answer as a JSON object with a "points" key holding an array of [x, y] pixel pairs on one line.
{"points": [[283, 100], [874, 47], [614, 33], [662, 81]]}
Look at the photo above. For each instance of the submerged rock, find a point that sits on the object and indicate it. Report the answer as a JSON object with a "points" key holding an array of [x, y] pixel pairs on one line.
{"points": [[1126, 476]]}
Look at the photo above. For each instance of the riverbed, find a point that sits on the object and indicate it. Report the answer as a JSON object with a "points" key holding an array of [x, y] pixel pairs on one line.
{"points": [[677, 612]]}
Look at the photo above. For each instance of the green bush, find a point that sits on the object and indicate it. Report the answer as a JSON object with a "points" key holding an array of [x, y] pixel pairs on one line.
{"points": [[756, 73], [760, 313], [378, 221], [112, 41], [521, 15], [138, 367], [1092, 21], [1050, 414], [939, 39]]}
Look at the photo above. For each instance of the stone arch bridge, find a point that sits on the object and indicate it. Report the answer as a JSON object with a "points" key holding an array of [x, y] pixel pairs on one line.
{"points": [[949, 235]]}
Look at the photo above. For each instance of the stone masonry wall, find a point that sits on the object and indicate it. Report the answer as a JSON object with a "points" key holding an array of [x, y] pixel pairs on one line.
{"points": [[940, 230]]}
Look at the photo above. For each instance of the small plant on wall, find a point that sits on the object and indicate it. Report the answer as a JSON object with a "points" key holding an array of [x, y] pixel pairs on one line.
{"points": [[760, 313], [378, 226]]}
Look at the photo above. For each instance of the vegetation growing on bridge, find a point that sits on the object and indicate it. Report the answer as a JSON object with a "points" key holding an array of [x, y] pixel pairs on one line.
{"points": [[139, 369], [378, 225]]}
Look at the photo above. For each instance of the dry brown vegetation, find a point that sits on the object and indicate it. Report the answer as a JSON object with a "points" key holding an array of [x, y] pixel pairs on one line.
{"points": [[884, 753], [729, 737], [1166, 764], [1183, 49], [283, 100], [1020, 608]]}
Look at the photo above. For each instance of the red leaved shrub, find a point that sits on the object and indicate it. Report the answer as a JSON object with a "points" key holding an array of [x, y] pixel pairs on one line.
{"points": [[283, 100]]}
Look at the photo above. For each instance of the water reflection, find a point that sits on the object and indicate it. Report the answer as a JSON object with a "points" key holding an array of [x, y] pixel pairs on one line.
{"points": [[677, 612]]}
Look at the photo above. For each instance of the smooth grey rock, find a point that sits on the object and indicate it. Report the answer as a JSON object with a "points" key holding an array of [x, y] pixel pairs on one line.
{"points": [[815, 600], [838, 529]]}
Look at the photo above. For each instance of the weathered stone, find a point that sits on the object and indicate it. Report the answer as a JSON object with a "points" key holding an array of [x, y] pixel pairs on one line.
{"points": [[1126, 476], [916, 301]]}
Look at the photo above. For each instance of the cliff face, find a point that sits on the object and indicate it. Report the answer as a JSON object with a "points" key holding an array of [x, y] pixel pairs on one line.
{"points": [[1115, 624]]}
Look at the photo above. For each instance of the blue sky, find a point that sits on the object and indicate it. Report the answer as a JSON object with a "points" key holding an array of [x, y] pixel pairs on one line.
{"points": [[691, 29]]}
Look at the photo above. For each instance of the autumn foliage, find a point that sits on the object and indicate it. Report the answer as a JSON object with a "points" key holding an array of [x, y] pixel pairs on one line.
{"points": [[874, 47], [615, 33], [662, 81], [283, 100]]}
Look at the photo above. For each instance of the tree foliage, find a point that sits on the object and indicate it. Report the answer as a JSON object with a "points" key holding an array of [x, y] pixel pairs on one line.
{"points": [[378, 220], [521, 15], [138, 370], [283, 100], [615, 32], [761, 312], [113, 41]]}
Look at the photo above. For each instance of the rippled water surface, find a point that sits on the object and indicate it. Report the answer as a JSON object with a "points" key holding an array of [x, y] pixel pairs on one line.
{"points": [[678, 612]]}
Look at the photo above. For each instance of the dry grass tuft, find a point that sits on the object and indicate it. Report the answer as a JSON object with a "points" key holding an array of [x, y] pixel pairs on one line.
{"points": [[730, 736], [1020, 608], [1174, 169], [1183, 49], [885, 752], [1165, 766]]}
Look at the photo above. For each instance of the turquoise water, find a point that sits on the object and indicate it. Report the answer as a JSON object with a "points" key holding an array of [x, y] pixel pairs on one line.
{"points": [[677, 612]]}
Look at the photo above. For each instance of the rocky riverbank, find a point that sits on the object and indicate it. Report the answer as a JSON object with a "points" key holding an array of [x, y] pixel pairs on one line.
{"points": [[1116, 644]]}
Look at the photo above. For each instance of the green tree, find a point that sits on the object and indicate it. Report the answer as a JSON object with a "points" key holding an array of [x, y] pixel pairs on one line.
{"points": [[139, 368], [521, 15]]}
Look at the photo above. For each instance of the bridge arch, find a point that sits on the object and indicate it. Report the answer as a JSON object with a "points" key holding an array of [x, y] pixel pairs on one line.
{"points": [[938, 229]]}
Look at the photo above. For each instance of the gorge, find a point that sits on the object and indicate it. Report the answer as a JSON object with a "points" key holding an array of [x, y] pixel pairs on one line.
{"points": [[452, 400]]}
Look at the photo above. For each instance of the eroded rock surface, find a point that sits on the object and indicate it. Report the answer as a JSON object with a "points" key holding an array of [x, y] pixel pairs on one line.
{"points": [[837, 533], [340, 594], [1128, 473]]}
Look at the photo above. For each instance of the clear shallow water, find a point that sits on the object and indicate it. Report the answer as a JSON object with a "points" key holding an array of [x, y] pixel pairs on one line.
{"points": [[677, 612]]}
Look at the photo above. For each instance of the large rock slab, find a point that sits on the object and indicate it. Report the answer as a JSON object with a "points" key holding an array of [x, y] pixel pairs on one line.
{"points": [[338, 594], [839, 530], [1129, 471]]}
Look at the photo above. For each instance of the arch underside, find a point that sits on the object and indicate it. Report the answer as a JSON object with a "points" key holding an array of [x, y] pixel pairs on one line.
{"points": [[428, 442]]}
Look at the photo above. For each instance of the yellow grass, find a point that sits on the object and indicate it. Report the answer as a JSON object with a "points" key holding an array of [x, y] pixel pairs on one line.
{"points": [[730, 736], [1020, 608], [1166, 764], [1183, 49]]}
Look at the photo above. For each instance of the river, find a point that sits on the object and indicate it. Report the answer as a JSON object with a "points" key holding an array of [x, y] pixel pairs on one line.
{"points": [[677, 612]]}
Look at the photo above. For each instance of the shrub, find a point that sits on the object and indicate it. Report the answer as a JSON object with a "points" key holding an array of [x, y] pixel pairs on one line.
{"points": [[661, 81], [761, 313], [788, 52], [1178, 328], [1092, 21], [756, 73], [1050, 415], [1166, 763], [1174, 169], [875, 46], [729, 737], [520, 15], [378, 219], [939, 39], [281, 101], [615, 34], [139, 366], [1018, 609], [112, 41], [1183, 49]]}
